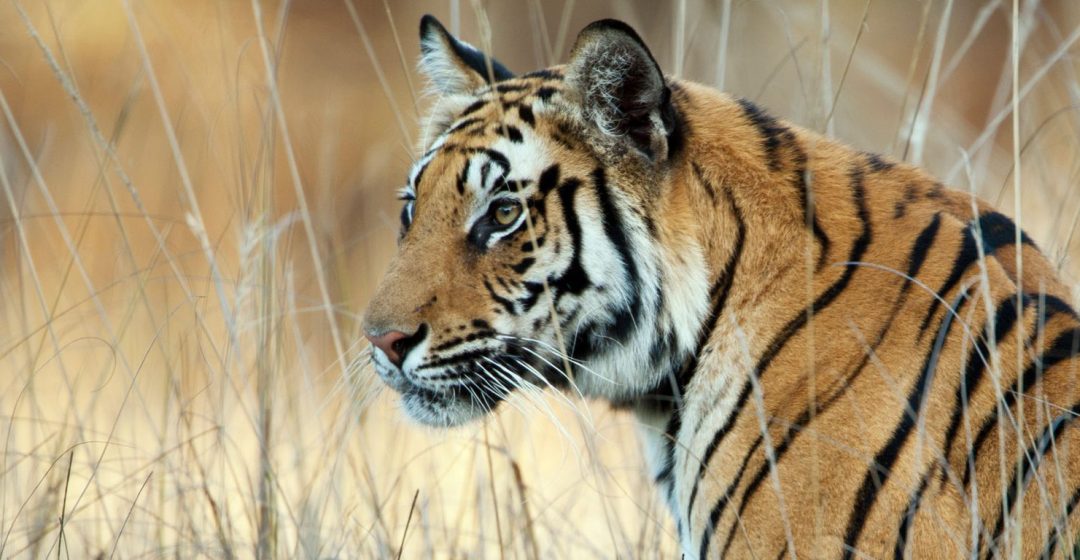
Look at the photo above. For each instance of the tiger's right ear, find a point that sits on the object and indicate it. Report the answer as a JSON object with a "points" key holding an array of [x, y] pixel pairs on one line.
{"points": [[454, 66]]}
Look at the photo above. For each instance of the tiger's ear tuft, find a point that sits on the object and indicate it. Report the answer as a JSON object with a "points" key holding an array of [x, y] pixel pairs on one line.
{"points": [[454, 66], [621, 86]]}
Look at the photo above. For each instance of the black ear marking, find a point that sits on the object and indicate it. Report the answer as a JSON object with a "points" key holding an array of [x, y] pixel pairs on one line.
{"points": [[623, 91], [454, 66]]}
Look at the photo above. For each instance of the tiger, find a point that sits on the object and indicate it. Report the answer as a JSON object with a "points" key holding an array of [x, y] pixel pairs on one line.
{"points": [[827, 351]]}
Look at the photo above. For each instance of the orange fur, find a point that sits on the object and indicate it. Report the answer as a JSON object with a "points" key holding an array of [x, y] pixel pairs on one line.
{"points": [[856, 371]]}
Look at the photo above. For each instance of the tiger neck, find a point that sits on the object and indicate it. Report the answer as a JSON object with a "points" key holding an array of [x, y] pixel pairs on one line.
{"points": [[750, 235], [727, 235], [729, 212]]}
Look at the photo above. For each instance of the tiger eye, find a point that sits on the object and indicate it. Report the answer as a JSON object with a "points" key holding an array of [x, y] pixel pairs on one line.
{"points": [[507, 213]]}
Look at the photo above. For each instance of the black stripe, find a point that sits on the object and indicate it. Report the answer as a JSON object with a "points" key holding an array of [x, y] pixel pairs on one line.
{"points": [[823, 240], [671, 432], [625, 318], [526, 115], [995, 231], [858, 249], [999, 231], [533, 291], [1029, 463], [463, 177], [888, 454], [419, 175], [909, 518], [467, 356], [545, 93], [665, 479], [513, 133], [496, 157], [1050, 306], [549, 179], [878, 163], [523, 265], [709, 189], [722, 287], [774, 137], [918, 255], [718, 437], [511, 88], [485, 170], [457, 341], [664, 337], [809, 214], [719, 294], [967, 256], [1064, 347], [574, 279], [674, 122], [544, 74], [464, 123], [718, 509], [473, 107], [1056, 531], [528, 247], [769, 129], [505, 303], [1004, 319], [919, 251], [910, 196]]}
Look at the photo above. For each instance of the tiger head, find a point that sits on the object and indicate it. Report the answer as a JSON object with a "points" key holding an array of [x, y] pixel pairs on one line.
{"points": [[531, 252]]}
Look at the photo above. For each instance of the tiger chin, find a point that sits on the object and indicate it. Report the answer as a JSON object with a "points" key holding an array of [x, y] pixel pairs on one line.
{"points": [[829, 353]]}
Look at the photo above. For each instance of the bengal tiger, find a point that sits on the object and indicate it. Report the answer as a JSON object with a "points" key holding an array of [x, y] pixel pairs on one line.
{"points": [[829, 353]]}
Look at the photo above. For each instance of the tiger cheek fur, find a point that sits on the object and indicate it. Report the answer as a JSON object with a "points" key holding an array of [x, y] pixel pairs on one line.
{"points": [[806, 333]]}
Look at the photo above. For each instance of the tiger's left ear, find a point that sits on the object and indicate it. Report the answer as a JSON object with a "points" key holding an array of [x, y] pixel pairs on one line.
{"points": [[454, 66], [623, 91]]}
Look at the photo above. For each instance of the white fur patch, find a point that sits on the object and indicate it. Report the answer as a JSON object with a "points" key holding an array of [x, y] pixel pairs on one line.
{"points": [[606, 76], [441, 65]]}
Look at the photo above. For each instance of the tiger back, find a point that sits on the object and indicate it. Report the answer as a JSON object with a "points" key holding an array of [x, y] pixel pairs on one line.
{"points": [[830, 353]]}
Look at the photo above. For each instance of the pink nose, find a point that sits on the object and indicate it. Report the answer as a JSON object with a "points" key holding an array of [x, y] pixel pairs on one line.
{"points": [[395, 344]]}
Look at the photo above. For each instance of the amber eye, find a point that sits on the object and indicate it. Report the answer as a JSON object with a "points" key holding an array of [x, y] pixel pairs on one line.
{"points": [[506, 212]]}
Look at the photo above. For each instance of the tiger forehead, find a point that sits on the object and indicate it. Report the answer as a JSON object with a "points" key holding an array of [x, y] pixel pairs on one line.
{"points": [[521, 100], [499, 111]]}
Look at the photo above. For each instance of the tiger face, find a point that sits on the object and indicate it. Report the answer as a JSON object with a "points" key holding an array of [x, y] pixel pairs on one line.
{"points": [[527, 253]]}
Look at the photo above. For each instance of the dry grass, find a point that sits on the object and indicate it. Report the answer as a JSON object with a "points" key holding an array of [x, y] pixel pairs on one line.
{"points": [[187, 246]]}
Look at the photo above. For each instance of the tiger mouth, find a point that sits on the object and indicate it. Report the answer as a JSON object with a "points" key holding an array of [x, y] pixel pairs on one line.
{"points": [[450, 397], [460, 384]]}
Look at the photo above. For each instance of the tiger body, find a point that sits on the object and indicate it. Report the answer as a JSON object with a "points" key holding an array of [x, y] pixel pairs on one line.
{"points": [[825, 350]]}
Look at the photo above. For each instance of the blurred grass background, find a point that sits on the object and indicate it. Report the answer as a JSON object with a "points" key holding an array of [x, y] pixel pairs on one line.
{"points": [[198, 198]]}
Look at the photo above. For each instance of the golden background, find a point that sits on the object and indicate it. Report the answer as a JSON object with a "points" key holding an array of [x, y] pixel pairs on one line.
{"points": [[198, 197]]}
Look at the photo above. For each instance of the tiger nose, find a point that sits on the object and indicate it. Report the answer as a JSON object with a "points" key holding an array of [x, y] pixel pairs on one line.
{"points": [[396, 344]]}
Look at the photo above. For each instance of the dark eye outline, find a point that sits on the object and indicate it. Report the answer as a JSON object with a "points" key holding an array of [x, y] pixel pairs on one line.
{"points": [[407, 210], [485, 227]]}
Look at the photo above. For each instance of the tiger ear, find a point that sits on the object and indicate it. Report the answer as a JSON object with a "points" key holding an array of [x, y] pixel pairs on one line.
{"points": [[622, 89], [454, 66]]}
